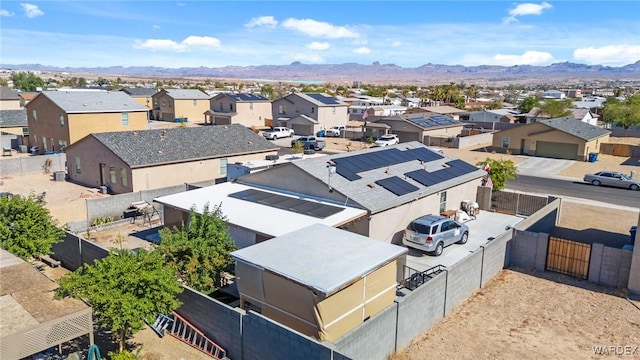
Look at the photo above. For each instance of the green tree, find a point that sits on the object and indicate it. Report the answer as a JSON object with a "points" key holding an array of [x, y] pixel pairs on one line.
{"points": [[268, 91], [625, 113], [82, 82], [199, 251], [500, 171], [527, 104], [124, 289], [26, 81], [557, 108], [497, 104], [297, 148], [27, 229]]}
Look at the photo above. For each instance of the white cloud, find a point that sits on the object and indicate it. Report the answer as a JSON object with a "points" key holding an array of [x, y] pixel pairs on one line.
{"points": [[156, 26], [362, 50], [527, 58], [315, 28], [318, 45], [526, 9], [31, 11], [396, 43], [308, 58], [187, 44], [4, 12], [262, 21], [608, 55]]}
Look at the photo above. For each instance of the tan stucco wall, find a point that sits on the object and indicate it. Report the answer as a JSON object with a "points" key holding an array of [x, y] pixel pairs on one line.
{"points": [[195, 113], [10, 104], [325, 115], [546, 134], [145, 101], [246, 115], [76, 126], [92, 154], [381, 228], [12, 130]]}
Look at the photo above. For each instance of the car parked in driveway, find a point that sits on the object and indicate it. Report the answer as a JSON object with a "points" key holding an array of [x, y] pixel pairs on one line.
{"points": [[612, 178], [432, 233], [386, 140]]}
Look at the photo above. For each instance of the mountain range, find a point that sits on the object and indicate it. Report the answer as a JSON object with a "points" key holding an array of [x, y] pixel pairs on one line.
{"points": [[373, 73]]}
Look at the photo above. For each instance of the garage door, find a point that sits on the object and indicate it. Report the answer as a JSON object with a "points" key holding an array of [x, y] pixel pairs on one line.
{"points": [[557, 150], [300, 129], [222, 120], [406, 136]]}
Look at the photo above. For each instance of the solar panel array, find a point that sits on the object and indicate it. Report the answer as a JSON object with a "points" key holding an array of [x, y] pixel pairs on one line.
{"points": [[282, 202], [327, 100], [247, 97], [349, 167], [456, 168], [397, 185], [433, 121]]}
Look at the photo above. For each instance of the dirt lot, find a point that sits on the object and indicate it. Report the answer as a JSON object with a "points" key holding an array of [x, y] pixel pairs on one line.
{"points": [[522, 315]]}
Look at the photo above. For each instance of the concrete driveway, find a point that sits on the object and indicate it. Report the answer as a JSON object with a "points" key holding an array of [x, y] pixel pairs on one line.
{"points": [[486, 226], [538, 166]]}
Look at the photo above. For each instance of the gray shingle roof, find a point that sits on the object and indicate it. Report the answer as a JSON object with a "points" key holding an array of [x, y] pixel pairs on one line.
{"points": [[576, 128], [139, 91], [153, 147], [13, 118], [376, 198], [93, 101], [7, 93], [186, 94]]}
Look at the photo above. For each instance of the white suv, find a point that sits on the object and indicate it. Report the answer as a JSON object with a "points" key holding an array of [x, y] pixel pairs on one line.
{"points": [[386, 140]]}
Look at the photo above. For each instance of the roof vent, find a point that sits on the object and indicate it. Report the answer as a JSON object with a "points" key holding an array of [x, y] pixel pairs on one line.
{"points": [[163, 135], [135, 133], [371, 186], [159, 152], [387, 171]]}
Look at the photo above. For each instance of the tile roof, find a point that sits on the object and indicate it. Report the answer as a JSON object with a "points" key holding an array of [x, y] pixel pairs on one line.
{"points": [[154, 147], [13, 118], [576, 128], [6, 93], [139, 91], [186, 94], [376, 198], [92, 101]]}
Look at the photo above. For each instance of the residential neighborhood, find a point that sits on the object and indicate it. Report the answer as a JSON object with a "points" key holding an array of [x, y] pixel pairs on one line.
{"points": [[307, 246]]}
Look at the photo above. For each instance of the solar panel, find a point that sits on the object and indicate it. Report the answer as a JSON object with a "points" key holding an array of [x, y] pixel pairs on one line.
{"points": [[282, 202], [456, 168], [425, 155], [397, 185], [350, 166], [423, 177], [434, 120], [327, 100]]}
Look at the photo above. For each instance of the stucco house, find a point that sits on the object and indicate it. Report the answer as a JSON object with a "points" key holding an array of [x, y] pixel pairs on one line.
{"points": [[141, 95], [585, 115], [57, 119], [450, 111], [9, 99], [563, 138], [250, 110], [307, 113], [180, 105], [150, 159], [415, 126]]}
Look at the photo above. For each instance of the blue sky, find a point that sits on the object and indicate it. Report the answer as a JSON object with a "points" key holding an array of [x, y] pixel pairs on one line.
{"points": [[409, 34]]}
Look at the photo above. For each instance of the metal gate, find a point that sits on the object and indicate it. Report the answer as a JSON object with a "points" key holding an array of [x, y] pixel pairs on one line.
{"points": [[514, 203], [568, 257]]}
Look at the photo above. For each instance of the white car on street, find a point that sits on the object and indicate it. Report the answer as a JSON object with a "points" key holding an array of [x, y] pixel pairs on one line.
{"points": [[386, 140]]}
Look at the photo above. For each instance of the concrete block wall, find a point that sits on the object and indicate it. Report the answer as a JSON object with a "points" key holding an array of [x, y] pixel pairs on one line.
{"points": [[73, 251], [528, 250], [493, 257], [265, 339], [420, 309], [463, 278], [609, 266], [32, 164], [467, 141], [373, 339], [116, 204], [542, 220], [219, 322]]}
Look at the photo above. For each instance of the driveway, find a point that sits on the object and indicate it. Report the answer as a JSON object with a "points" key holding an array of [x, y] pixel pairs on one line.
{"points": [[542, 167], [487, 226]]}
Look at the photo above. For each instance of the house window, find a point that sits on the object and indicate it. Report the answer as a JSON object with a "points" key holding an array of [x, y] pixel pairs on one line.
{"points": [[123, 177], [44, 144], [25, 131], [250, 106], [221, 106], [35, 139], [223, 167], [443, 201], [333, 110], [281, 109], [313, 110], [230, 107], [78, 169], [195, 102], [125, 119], [112, 175], [505, 142], [62, 144], [61, 120], [163, 103], [35, 116]]}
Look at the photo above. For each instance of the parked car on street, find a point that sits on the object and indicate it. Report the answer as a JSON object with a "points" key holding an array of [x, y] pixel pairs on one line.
{"points": [[612, 178], [309, 142], [335, 131], [432, 233], [386, 140], [277, 133]]}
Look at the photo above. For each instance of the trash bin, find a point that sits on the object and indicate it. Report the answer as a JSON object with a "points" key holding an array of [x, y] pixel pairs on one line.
{"points": [[633, 231], [632, 174], [593, 157], [320, 133]]}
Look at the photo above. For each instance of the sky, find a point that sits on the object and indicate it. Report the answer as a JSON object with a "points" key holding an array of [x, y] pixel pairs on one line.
{"points": [[178, 34]]}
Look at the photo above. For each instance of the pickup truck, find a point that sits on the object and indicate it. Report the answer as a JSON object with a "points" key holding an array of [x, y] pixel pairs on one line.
{"points": [[277, 133], [335, 131], [309, 142]]}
